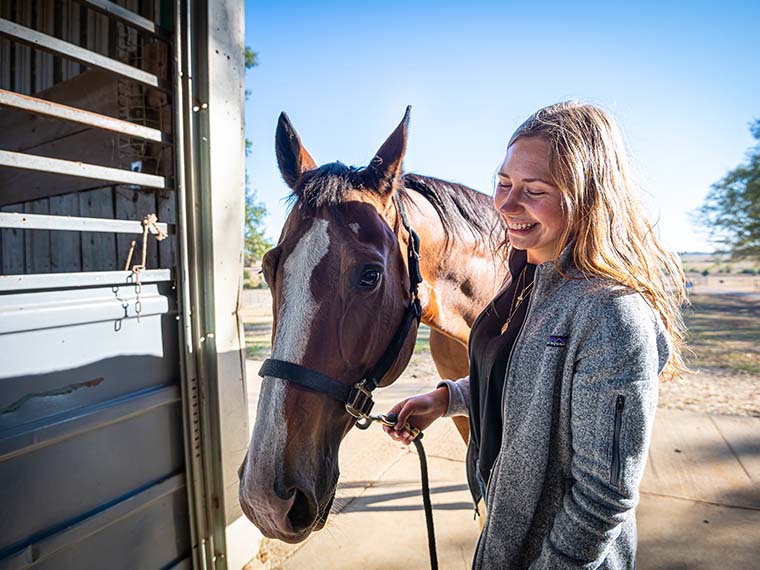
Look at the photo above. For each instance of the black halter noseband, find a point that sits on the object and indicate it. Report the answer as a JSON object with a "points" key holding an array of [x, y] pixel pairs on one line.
{"points": [[358, 397]]}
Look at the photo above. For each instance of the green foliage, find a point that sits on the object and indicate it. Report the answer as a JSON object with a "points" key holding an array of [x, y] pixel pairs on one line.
{"points": [[732, 207], [706, 272], [256, 243], [251, 58]]}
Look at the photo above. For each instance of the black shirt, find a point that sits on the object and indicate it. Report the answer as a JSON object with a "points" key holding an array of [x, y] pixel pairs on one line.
{"points": [[489, 355]]}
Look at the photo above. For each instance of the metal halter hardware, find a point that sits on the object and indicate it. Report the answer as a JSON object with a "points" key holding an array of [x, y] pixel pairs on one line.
{"points": [[358, 397]]}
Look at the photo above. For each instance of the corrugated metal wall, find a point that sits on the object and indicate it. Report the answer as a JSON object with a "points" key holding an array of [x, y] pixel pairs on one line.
{"points": [[93, 426]]}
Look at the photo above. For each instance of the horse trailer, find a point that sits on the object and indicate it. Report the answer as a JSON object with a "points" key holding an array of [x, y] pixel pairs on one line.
{"points": [[123, 413]]}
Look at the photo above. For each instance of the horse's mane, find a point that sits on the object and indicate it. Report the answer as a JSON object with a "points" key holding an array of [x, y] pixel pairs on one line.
{"points": [[460, 208]]}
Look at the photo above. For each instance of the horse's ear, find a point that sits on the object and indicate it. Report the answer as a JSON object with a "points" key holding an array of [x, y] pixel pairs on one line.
{"points": [[386, 165], [292, 158]]}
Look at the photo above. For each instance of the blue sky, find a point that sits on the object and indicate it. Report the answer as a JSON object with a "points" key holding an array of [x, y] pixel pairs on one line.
{"points": [[681, 79]]}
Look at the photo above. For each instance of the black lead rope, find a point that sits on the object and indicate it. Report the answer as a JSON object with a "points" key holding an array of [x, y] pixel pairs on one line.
{"points": [[358, 397], [427, 503]]}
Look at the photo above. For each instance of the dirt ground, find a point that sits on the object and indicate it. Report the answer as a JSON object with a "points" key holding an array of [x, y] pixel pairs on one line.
{"points": [[724, 351]]}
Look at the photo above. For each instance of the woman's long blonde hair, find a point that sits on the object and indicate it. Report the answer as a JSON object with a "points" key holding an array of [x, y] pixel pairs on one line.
{"points": [[611, 234]]}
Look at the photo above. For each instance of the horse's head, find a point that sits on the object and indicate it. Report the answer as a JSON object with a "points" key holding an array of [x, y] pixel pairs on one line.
{"points": [[340, 288]]}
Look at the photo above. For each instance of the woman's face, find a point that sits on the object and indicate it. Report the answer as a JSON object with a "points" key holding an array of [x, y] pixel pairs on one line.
{"points": [[527, 200]]}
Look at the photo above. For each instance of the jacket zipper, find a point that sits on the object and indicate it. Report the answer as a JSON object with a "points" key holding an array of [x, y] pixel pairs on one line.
{"points": [[506, 375], [615, 470]]}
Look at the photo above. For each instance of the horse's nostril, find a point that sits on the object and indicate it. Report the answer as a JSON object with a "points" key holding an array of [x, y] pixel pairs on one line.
{"points": [[303, 512]]}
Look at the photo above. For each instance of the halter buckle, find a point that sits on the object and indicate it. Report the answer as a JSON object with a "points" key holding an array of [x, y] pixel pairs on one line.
{"points": [[360, 401]]}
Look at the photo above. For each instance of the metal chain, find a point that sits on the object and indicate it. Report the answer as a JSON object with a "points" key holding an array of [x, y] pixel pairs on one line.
{"points": [[150, 225]]}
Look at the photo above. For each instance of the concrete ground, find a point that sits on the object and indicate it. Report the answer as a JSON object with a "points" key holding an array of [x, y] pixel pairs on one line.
{"points": [[699, 509]]}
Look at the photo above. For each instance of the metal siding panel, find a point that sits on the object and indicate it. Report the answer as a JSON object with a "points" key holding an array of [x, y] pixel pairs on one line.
{"points": [[87, 473], [46, 310], [152, 536]]}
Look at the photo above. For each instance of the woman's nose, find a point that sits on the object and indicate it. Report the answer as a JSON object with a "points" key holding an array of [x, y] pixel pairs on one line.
{"points": [[509, 202]]}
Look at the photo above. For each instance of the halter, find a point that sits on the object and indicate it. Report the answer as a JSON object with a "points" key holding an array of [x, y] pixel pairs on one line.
{"points": [[357, 398]]}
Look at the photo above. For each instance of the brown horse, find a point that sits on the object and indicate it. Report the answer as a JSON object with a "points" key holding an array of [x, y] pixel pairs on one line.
{"points": [[340, 288]]}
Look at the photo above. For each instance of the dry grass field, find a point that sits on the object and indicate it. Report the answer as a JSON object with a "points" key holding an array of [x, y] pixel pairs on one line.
{"points": [[724, 341]]}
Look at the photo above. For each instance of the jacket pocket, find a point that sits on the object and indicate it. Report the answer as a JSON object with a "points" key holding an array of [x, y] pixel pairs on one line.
{"points": [[616, 465]]}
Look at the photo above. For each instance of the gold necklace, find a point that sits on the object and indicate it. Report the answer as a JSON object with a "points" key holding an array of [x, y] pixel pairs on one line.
{"points": [[520, 298]]}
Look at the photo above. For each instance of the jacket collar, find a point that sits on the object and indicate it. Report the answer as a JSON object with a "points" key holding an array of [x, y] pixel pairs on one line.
{"points": [[549, 276]]}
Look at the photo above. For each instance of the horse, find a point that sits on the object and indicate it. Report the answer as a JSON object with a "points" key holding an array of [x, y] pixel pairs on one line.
{"points": [[340, 286]]}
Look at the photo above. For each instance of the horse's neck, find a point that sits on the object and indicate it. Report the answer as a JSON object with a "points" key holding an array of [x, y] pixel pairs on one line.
{"points": [[459, 279]]}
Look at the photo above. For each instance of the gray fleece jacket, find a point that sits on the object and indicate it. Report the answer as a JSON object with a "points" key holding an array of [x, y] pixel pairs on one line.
{"points": [[578, 407]]}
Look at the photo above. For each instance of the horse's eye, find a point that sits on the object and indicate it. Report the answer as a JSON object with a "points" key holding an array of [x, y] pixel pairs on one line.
{"points": [[370, 278]]}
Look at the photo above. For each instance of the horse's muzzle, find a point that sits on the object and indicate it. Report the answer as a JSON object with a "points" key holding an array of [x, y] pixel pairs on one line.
{"points": [[290, 519]]}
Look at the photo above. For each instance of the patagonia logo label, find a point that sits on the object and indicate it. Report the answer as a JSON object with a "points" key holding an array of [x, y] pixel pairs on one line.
{"points": [[558, 341]]}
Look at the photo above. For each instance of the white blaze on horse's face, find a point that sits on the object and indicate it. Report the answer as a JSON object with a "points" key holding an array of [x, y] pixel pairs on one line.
{"points": [[298, 304], [297, 311]]}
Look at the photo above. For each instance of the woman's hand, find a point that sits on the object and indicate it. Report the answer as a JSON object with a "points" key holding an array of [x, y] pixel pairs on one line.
{"points": [[420, 411]]}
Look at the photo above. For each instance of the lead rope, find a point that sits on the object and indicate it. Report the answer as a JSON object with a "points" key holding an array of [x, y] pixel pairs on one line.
{"points": [[426, 501], [390, 421]]}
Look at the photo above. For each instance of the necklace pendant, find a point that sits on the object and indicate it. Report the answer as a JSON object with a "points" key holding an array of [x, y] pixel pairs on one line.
{"points": [[505, 326]]}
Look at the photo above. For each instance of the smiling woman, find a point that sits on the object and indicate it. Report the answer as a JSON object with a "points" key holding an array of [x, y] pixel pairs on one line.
{"points": [[565, 360]]}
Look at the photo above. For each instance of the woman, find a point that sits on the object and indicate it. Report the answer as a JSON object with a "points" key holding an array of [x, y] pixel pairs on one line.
{"points": [[565, 361]]}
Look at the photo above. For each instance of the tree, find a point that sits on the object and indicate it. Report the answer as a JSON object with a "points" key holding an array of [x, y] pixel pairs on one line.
{"points": [[256, 244], [251, 58], [731, 211]]}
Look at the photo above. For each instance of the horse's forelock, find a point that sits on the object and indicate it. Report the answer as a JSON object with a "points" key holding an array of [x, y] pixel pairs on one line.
{"points": [[328, 185]]}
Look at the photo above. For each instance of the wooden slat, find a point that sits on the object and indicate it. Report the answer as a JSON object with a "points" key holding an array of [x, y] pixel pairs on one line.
{"points": [[81, 223], [67, 50], [65, 247], [56, 110], [50, 281], [98, 250], [83, 170], [127, 16]]}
